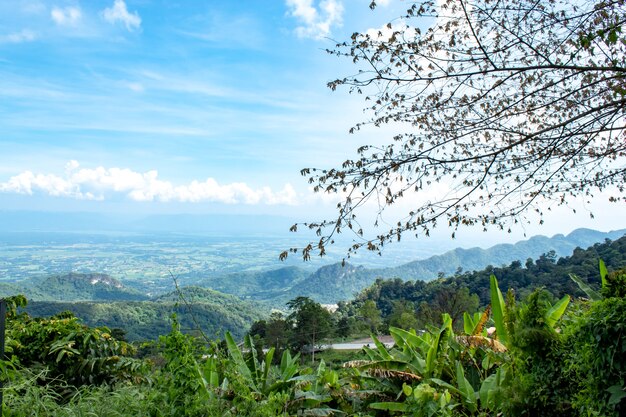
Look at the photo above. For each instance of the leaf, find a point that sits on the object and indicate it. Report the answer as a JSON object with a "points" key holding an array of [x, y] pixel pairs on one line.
{"points": [[584, 287], [617, 394], [556, 311], [403, 337], [433, 350], [468, 323], [491, 391], [388, 406], [497, 309], [382, 350], [465, 388], [237, 357], [603, 272], [267, 364]]}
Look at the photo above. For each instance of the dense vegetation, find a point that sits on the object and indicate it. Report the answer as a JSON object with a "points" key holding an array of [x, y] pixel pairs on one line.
{"points": [[526, 352], [427, 300], [544, 358]]}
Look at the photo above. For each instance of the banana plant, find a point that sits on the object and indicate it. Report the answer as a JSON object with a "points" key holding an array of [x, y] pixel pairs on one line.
{"points": [[254, 372], [263, 378], [498, 309], [592, 294], [316, 392]]}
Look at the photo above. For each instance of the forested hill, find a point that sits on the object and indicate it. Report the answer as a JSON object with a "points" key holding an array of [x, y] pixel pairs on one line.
{"points": [[73, 287], [214, 312], [546, 272], [100, 300], [476, 258], [333, 283]]}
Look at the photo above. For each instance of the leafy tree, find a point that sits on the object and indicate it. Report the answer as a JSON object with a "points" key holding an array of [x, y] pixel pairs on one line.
{"points": [[510, 104], [311, 323], [66, 351], [277, 333], [455, 302], [371, 316], [403, 315]]}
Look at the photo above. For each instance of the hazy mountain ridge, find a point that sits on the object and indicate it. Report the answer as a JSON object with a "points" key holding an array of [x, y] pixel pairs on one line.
{"points": [[260, 285], [106, 301], [332, 283], [476, 258]]}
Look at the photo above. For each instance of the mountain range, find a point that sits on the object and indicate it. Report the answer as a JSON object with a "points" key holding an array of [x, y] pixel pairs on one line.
{"points": [[336, 282]]}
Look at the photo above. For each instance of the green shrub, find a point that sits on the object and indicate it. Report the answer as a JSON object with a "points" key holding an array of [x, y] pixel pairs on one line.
{"points": [[64, 350], [598, 359]]}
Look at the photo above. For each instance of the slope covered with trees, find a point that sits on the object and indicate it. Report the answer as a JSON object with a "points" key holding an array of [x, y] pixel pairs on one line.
{"points": [[546, 272], [74, 287], [207, 310]]}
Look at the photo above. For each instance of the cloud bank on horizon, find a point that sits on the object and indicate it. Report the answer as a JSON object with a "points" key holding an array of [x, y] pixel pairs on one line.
{"points": [[100, 183]]}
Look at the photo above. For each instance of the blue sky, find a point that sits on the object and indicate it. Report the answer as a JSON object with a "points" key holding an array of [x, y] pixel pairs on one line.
{"points": [[188, 106], [176, 93]]}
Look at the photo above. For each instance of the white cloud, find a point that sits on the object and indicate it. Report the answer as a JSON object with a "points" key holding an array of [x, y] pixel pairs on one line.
{"points": [[119, 13], [24, 35], [316, 21], [100, 183], [67, 16]]}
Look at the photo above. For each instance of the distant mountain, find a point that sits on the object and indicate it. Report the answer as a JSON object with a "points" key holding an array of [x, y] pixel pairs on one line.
{"points": [[332, 283], [260, 285], [545, 272], [73, 287], [476, 258]]}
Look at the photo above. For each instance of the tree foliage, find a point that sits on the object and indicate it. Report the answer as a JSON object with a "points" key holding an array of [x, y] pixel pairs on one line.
{"points": [[502, 105], [311, 323]]}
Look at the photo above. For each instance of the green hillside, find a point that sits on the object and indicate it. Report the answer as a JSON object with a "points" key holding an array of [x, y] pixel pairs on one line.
{"points": [[547, 271], [259, 285], [73, 287], [213, 311], [333, 283]]}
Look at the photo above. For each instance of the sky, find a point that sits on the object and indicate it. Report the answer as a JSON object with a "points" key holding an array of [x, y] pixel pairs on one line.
{"points": [[162, 106]]}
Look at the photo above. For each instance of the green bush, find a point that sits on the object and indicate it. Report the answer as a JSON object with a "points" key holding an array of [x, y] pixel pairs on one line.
{"points": [[598, 359], [66, 351]]}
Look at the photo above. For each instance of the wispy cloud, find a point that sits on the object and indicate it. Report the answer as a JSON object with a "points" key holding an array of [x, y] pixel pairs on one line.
{"points": [[67, 16], [100, 183], [118, 12], [25, 35], [316, 19]]}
